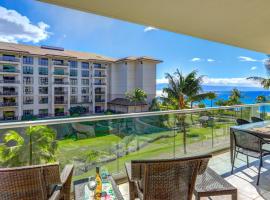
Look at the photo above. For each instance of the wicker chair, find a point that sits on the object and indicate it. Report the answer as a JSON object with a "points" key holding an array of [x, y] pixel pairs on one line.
{"points": [[165, 179], [248, 144], [256, 119], [242, 121], [38, 182]]}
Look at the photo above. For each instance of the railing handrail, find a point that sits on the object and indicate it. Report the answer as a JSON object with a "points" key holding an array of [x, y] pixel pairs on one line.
{"points": [[120, 116]]}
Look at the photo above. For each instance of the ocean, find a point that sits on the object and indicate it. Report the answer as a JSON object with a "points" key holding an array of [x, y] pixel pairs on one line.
{"points": [[248, 94]]}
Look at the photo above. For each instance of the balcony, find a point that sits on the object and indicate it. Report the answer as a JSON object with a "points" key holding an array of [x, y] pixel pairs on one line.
{"points": [[101, 84], [100, 75], [8, 104], [60, 92], [60, 101], [9, 59], [99, 92], [158, 135], [5, 81], [8, 93], [63, 64], [60, 73], [61, 83], [100, 100], [10, 71]]}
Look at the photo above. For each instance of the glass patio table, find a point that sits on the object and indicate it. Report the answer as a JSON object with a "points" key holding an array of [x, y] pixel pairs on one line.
{"points": [[82, 192], [261, 129]]}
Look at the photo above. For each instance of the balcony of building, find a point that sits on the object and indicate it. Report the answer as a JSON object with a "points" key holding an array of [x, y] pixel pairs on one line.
{"points": [[60, 63], [60, 81], [9, 69], [9, 59], [99, 66], [60, 72], [61, 100], [99, 74], [100, 83], [9, 80]]}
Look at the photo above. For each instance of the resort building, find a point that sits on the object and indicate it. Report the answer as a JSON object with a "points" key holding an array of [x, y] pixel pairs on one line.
{"points": [[46, 81]]}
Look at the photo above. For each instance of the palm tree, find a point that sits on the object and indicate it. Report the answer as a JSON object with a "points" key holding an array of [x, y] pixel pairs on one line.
{"points": [[264, 82], [155, 106], [235, 96], [36, 146], [137, 95], [211, 97], [181, 90], [261, 99]]}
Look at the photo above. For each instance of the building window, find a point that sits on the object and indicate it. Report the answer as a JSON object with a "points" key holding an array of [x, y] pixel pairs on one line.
{"points": [[43, 100], [43, 71], [73, 81], [97, 65], [28, 80], [85, 99], [28, 100], [74, 90], [28, 70], [43, 61], [85, 81], [73, 99], [28, 60], [43, 112], [73, 64], [43, 81], [28, 112], [85, 65], [85, 73], [28, 90], [73, 72], [43, 90], [85, 90]]}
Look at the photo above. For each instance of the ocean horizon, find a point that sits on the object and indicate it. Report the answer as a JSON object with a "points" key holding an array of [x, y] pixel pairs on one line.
{"points": [[248, 94]]}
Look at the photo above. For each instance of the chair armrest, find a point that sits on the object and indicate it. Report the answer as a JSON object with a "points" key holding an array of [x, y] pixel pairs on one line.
{"points": [[55, 195], [66, 173], [66, 178], [128, 170]]}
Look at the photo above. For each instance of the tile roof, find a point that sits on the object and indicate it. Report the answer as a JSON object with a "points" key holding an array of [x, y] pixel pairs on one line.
{"points": [[36, 50]]}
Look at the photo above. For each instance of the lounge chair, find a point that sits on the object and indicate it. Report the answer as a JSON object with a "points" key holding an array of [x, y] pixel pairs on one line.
{"points": [[256, 119]]}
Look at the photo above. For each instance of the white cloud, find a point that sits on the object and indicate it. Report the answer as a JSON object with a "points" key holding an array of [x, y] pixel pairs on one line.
{"points": [[15, 27], [247, 59], [230, 82], [210, 60], [196, 60], [253, 68], [150, 28], [162, 80]]}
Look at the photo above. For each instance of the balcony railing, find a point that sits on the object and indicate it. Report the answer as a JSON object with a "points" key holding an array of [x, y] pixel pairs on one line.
{"points": [[100, 75], [118, 138], [61, 82], [60, 102], [60, 92], [9, 118], [8, 104], [100, 100], [10, 70], [99, 92], [8, 93], [99, 83], [9, 59], [65, 64], [10, 81], [60, 73]]}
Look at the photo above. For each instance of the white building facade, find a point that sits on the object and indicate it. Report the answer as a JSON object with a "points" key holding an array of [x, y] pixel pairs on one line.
{"points": [[47, 81]]}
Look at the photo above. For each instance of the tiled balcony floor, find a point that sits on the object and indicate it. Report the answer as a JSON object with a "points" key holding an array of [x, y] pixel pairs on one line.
{"points": [[244, 179]]}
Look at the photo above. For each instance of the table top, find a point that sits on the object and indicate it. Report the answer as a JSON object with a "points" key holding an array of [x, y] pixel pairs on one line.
{"points": [[79, 189], [259, 128]]}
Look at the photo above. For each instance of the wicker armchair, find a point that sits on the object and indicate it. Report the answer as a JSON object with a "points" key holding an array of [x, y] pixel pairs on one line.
{"points": [[165, 179], [38, 182], [242, 121], [248, 144], [256, 119]]}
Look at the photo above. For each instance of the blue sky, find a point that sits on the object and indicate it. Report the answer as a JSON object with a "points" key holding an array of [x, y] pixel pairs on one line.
{"points": [[37, 23]]}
